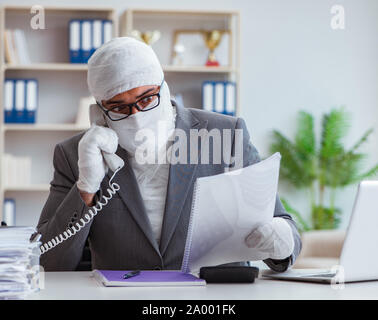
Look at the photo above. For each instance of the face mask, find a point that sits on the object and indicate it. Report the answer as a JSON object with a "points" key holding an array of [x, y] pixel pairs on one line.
{"points": [[159, 122]]}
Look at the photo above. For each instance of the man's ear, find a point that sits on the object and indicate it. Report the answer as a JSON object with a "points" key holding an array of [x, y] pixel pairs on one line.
{"points": [[96, 116]]}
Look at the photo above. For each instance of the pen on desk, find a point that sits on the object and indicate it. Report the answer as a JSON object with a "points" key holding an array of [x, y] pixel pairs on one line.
{"points": [[131, 274]]}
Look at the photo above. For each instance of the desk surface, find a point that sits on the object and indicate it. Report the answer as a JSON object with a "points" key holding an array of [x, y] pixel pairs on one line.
{"points": [[81, 285]]}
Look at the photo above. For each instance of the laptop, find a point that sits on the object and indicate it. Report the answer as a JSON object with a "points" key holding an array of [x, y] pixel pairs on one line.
{"points": [[359, 255]]}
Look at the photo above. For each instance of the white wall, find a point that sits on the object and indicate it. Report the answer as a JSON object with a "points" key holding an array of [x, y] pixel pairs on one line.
{"points": [[291, 59]]}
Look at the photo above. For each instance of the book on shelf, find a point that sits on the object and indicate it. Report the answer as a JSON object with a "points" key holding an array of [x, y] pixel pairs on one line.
{"points": [[16, 49], [9, 212], [219, 96], [85, 36], [16, 170]]}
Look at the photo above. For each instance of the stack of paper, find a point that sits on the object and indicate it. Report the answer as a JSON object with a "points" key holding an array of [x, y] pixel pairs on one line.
{"points": [[17, 171], [19, 262]]}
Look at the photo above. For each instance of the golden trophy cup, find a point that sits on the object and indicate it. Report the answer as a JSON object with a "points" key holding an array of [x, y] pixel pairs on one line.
{"points": [[212, 40], [148, 37]]}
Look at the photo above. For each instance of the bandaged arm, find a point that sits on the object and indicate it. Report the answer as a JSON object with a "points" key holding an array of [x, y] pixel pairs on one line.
{"points": [[251, 156], [63, 208]]}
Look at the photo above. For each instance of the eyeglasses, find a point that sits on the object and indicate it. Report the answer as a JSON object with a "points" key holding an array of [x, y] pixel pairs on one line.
{"points": [[144, 104]]}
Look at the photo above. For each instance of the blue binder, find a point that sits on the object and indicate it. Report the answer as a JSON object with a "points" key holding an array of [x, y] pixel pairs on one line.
{"points": [[208, 95], [86, 40], [31, 103], [229, 98], [74, 41], [97, 34], [9, 211], [219, 96], [107, 26], [20, 101], [9, 94]]}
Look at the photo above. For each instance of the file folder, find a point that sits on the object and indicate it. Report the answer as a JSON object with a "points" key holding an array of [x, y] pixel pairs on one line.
{"points": [[147, 278], [74, 41], [219, 97], [31, 100], [9, 212], [107, 30], [230, 98], [20, 100], [9, 101], [208, 96], [86, 40], [97, 35]]}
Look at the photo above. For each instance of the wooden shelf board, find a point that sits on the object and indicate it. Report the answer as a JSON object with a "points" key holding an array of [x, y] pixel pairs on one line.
{"points": [[60, 8], [28, 188], [48, 67], [43, 127], [84, 67], [204, 69], [183, 12]]}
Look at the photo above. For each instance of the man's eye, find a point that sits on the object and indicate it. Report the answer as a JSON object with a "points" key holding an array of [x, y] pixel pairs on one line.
{"points": [[146, 101], [116, 108]]}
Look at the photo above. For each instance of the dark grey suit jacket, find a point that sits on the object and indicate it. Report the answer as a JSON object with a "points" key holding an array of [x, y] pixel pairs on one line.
{"points": [[120, 236]]}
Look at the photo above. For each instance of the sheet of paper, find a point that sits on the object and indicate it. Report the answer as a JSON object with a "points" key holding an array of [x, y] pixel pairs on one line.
{"points": [[226, 208]]}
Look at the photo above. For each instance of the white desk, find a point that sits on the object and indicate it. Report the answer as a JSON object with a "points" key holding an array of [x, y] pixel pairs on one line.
{"points": [[81, 285]]}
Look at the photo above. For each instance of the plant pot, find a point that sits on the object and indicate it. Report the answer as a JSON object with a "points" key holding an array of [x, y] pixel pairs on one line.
{"points": [[320, 249]]}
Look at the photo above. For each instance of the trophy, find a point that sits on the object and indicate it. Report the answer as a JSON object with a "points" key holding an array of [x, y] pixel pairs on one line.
{"points": [[212, 40], [148, 37]]}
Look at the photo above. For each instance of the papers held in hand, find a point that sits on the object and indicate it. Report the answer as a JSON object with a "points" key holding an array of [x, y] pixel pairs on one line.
{"points": [[225, 209]]}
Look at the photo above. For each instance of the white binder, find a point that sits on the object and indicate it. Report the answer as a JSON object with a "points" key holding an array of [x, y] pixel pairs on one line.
{"points": [[107, 29], [8, 99], [219, 97], [97, 33], [31, 100], [86, 41], [75, 41], [20, 100], [207, 96], [230, 103], [9, 212]]}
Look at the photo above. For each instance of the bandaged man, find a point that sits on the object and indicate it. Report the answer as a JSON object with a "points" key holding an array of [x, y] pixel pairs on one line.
{"points": [[145, 224]]}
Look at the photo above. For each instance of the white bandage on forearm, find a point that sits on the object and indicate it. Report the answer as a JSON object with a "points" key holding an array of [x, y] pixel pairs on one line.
{"points": [[92, 167], [272, 240]]}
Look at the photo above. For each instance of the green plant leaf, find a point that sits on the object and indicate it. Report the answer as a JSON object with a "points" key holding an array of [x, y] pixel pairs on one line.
{"points": [[362, 140], [335, 125], [305, 137], [293, 168], [302, 224]]}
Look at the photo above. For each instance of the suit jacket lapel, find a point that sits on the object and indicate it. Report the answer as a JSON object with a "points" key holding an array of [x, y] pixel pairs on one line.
{"points": [[131, 196], [181, 176]]}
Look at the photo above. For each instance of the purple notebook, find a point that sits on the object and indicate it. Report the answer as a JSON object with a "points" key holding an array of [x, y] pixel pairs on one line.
{"points": [[114, 278]]}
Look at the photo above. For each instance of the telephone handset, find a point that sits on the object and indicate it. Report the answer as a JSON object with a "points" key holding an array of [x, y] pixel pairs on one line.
{"points": [[96, 117], [115, 163]]}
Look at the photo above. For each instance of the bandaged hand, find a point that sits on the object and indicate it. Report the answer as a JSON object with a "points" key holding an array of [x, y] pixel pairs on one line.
{"points": [[272, 240], [92, 167]]}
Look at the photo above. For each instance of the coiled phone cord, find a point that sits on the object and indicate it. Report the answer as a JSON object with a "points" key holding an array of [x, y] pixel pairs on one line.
{"points": [[69, 232]]}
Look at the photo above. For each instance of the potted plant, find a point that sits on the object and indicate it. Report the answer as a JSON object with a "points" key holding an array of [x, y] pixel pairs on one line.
{"points": [[321, 167]]}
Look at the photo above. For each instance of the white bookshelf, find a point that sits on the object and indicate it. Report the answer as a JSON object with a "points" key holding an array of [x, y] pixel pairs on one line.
{"points": [[61, 85], [28, 188], [84, 67], [43, 127], [187, 80]]}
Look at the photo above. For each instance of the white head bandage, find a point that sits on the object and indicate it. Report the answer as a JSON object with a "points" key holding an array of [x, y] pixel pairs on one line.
{"points": [[120, 65]]}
